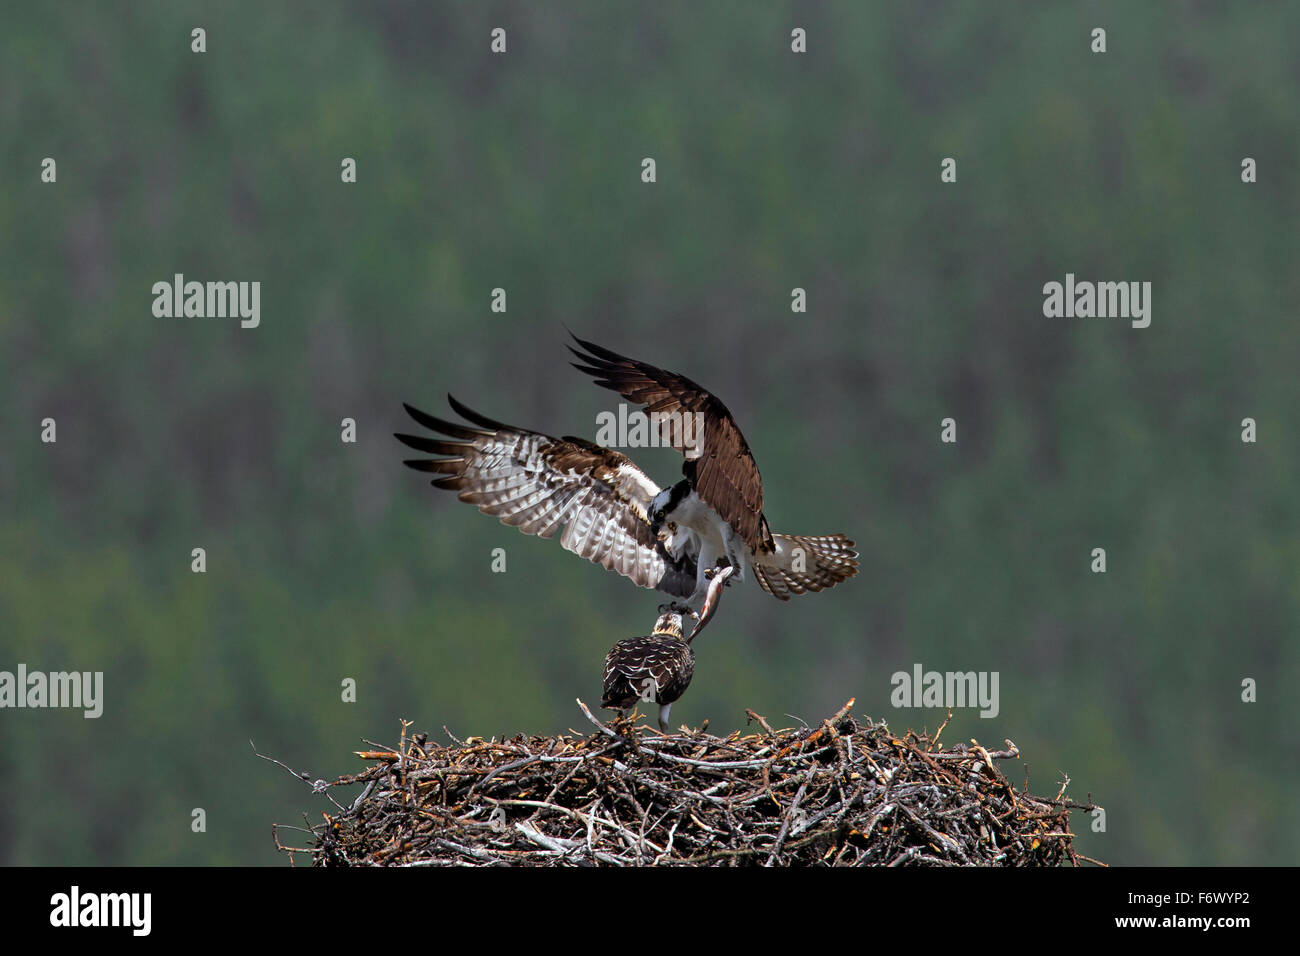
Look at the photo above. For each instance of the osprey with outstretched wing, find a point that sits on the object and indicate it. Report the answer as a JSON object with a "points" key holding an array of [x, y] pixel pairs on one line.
{"points": [[715, 513], [541, 484], [612, 513]]}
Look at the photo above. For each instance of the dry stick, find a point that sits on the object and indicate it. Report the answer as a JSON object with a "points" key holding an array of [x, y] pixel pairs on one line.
{"points": [[576, 814], [935, 741], [514, 765], [592, 717], [762, 721], [789, 815], [318, 786], [839, 715]]}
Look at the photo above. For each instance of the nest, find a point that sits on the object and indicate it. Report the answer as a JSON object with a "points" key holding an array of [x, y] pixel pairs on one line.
{"points": [[842, 794]]}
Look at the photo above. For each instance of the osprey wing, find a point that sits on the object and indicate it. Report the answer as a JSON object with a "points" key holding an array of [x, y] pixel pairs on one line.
{"points": [[718, 462], [539, 484]]}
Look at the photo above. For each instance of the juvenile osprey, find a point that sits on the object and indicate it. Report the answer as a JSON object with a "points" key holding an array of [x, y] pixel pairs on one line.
{"points": [[659, 667], [612, 513]]}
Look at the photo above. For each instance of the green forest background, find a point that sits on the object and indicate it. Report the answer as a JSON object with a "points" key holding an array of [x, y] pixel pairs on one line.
{"points": [[775, 170]]}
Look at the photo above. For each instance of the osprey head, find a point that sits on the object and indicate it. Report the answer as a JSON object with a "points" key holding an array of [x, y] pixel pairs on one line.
{"points": [[657, 513], [665, 503], [670, 620]]}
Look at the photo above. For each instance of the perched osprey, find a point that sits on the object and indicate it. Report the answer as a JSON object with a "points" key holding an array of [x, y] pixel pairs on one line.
{"points": [[612, 513], [659, 667]]}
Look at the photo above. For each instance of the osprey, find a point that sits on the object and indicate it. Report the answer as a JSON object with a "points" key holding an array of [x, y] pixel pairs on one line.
{"points": [[714, 515], [612, 513], [659, 667]]}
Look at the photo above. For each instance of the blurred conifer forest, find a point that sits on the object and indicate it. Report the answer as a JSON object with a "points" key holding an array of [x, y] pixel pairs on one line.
{"points": [[522, 170]]}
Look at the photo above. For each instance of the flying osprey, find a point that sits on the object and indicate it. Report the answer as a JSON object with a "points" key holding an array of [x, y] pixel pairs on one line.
{"points": [[612, 513], [658, 668]]}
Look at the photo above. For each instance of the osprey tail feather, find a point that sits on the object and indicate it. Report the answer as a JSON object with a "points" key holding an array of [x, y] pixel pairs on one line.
{"points": [[800, 563]]}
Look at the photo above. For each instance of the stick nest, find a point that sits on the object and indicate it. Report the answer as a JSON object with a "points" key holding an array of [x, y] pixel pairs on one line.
{"points": [[842, 794]]}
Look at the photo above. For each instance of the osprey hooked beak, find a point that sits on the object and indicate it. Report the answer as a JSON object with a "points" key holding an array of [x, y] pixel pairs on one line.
{"points": [[718, 578]]}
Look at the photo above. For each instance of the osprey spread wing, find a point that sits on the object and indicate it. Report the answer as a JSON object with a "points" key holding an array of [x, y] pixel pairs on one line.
{"points": [[613, 514], [715, 514], [719, 465], [539, 484]]}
